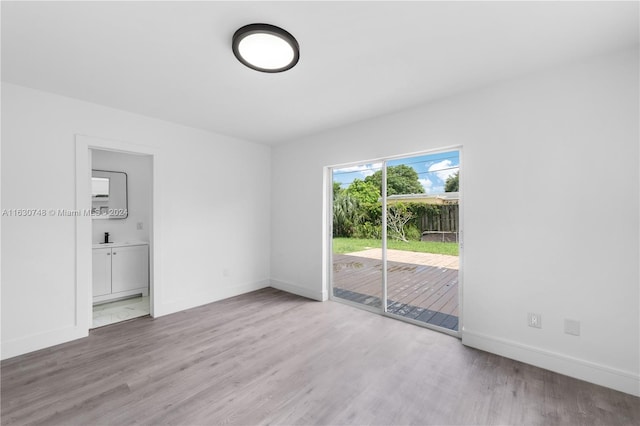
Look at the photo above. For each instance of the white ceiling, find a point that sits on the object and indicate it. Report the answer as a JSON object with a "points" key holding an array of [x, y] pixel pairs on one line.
{"points": [[173, 60]]}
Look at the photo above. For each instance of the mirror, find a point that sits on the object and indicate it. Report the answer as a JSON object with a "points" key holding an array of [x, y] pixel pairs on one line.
{"points": [[108, 195]]}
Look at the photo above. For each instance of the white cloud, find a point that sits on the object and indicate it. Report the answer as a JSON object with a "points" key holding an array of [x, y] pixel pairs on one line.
{"points": [[364, 169], [431, 188], [426, 184], [443, 169]]}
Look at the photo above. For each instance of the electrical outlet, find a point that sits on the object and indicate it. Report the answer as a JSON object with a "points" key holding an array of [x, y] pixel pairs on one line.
{"points": [[535, 320], [572, 327], [139, 225]]}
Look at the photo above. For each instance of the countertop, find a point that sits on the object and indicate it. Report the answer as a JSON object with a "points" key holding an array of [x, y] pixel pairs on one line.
{"points": [[120, 244]]}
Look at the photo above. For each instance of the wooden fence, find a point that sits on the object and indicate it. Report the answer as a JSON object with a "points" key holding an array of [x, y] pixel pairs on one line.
{"points": [[441, 224]]}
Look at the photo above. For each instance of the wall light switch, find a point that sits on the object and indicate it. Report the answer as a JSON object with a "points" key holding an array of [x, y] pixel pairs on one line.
{"points": [[535, 320], [139, 225], [572, 327]]}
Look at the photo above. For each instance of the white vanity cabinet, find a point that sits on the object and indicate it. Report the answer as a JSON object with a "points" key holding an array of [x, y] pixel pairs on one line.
{"points": [[120, 270], [101, 272]]}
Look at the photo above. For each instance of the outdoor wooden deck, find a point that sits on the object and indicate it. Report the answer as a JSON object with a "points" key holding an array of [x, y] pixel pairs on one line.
{"points": [[423, 288]]}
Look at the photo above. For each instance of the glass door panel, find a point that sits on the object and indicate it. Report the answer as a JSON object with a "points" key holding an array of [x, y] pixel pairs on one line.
{"points": [[357, 271], [422, 238]]}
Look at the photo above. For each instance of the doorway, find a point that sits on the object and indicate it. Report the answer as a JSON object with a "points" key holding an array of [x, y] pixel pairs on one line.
{"points": [[411, 271], [121, 201], [132, 234]]}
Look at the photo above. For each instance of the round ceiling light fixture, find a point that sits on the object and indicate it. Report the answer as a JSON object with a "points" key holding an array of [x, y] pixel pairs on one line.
{"points": [[265, 48]]}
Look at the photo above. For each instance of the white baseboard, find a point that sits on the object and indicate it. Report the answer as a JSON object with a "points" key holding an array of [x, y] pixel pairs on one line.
{"points": [[298, 290], [23, 345], [34, 342], [623, 381], [200, 299]]}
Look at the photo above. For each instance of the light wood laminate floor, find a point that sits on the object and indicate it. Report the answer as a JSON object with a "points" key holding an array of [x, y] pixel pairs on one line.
{"points": [[269, 357]]}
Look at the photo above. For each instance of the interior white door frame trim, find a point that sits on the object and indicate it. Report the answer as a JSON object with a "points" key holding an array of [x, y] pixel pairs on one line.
{"points": [[84, 314], [327, 284]]}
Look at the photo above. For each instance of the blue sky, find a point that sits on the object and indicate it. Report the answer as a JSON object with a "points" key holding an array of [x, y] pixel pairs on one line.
{"points": [[433, 170]]}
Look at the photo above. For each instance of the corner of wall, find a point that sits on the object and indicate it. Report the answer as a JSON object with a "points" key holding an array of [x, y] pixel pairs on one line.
{"points": [[320, 296]]}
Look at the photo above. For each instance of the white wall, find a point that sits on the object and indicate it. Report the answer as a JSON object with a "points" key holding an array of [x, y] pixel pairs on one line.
{"points": [[557, 154], [139, 189], [214, 212]]}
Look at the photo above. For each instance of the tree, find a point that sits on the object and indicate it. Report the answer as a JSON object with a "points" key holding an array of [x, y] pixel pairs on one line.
{"points": [[368, 197], [401, 179], [363, 191], [346, 214], [398, 215], [336, 189], [452, 185]]}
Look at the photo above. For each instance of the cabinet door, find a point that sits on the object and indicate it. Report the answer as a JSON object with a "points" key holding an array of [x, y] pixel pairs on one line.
{"points": [[101, 271], [129, 268]]}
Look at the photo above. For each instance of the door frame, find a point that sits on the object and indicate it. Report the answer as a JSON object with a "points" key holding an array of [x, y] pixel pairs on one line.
{"points": [[328, 239], [83, 287]]}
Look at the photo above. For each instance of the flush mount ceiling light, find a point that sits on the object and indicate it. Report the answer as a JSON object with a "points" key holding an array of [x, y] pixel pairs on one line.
{"points": [[265, 48]]}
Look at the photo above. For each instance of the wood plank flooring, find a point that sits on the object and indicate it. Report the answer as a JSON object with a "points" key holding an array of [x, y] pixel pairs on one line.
{"points": [[269, 357]]}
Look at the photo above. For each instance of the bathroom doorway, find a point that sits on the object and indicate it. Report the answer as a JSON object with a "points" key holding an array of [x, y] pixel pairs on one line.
{"points": [[133, 234], [121, 211]]}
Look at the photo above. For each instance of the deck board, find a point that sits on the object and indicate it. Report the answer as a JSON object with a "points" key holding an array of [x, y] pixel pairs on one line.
{"points": [[426, 293]]}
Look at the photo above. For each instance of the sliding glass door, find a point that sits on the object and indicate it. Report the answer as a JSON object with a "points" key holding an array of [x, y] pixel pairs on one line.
{"points": [[411, 271]]}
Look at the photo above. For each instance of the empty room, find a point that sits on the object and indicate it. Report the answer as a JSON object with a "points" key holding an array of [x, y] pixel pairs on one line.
{"points": [[320, 213]]}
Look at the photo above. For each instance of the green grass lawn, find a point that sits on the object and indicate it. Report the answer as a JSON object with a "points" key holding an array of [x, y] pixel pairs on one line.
{"points": [[349, 245]]}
